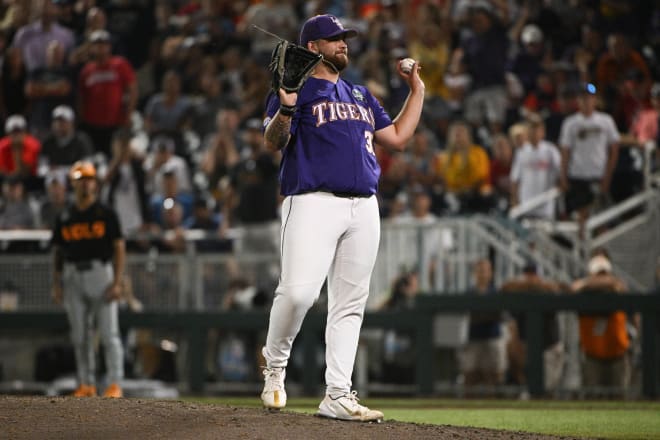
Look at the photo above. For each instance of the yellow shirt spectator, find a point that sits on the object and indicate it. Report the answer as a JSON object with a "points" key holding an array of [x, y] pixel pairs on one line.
{"points": [[464, 167]]}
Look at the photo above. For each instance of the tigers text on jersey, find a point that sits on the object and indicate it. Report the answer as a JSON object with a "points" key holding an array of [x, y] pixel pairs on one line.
{"points": [[88, 234], [331, 146]]}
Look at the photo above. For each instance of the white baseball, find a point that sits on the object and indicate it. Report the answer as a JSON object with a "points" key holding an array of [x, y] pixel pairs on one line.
{"points": [[406, 64]]}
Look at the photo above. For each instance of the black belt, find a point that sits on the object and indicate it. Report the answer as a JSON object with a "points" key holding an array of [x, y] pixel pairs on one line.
{"points": [[84, 265], [346, 194], [350, 195], [343, 195]]}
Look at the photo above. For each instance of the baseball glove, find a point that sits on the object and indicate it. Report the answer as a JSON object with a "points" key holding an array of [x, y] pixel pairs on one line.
{"points": [[291, 65]]}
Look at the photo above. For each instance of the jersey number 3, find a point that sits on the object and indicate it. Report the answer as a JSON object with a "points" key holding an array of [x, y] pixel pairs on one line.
{"points": [[369, 142]]}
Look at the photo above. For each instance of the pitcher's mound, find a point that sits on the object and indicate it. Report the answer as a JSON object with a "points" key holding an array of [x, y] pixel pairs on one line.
{"points": [[23, 417]]}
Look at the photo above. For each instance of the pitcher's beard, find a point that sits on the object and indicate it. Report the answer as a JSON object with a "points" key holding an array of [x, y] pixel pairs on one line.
{"points": [[336, 62]]}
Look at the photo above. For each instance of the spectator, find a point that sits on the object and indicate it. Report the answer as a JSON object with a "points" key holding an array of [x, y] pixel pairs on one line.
{"points": [[107, 93], [644, 132], [205, 217], [535, 170], [133, 24], [483, 359], [64, 145], [419, 157], [585, 54], [15, 210], [95, 20], [169, 194], [553, 348], [484, 55], [500, 166], [48, 87], [565, 107], [221, 153], [431, 48], [589, 143], [254, 197], [270, 15], [162, 159], [19, 150], [464, 168], [169, 112], [426, 257], [13, 82], [399, 347], [614, 67], [173, 239], [56, 200], [518, 135], [527, 65], [33, 39], [126, 181], [604, 338], [208, 104]]}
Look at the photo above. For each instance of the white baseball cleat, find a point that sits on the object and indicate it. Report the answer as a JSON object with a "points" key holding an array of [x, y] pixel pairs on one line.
{"points": [[273, 396], [346, 407]]}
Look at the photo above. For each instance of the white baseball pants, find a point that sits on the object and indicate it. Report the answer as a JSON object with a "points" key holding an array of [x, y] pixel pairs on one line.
{"points": [[324, 235]]}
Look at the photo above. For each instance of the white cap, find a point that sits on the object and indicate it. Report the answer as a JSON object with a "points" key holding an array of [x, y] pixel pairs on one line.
{"points": [[99, 36], [63, 111], [599, 264], [15, 122], [531, 33]]}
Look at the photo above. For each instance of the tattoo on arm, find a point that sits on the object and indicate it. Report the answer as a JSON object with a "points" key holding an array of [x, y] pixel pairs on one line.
{"points": [[277, 133]]}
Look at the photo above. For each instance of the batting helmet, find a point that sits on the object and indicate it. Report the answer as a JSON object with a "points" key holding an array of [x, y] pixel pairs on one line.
{"points": [[82, 169]]}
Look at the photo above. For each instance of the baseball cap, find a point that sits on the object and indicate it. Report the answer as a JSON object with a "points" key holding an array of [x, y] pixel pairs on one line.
{"points": [[99, 36], [530, 34], [599, 264], [15, 123], [82, 169], [63, 112], [324, 26]]}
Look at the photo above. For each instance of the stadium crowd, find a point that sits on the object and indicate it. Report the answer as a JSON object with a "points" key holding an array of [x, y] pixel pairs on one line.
{"points": [[167, 98]]}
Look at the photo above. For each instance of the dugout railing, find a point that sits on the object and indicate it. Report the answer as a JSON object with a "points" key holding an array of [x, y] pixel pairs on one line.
{"points": [[194, 326]]}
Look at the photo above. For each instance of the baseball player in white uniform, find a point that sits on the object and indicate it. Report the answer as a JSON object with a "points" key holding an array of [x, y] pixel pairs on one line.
{"points": [[330, 221]]}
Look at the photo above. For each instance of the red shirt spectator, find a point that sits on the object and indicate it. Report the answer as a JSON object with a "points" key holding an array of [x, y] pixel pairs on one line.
{"points": [[107, 93], [19, 151], [102, 87]]}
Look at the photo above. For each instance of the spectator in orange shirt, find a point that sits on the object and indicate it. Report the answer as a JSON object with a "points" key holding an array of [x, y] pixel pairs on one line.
{"points": [[614, 68], [604, 338], [19, 151]]}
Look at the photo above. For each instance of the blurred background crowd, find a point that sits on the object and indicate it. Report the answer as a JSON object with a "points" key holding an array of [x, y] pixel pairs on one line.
{"points": [[167, 98]]}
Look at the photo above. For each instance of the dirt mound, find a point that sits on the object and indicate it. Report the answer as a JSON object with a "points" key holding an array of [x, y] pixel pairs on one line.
{"points": [[23, 417]]}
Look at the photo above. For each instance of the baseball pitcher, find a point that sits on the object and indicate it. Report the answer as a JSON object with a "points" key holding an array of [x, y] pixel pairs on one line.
{"points": [[89, 254], [327, 129]]}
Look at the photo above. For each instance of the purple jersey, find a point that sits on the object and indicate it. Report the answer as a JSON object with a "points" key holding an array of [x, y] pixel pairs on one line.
{"points": [[331, 146]]}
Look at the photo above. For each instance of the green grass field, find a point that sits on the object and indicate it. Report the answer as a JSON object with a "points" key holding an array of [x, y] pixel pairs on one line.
{"points": [[600, 419]]}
